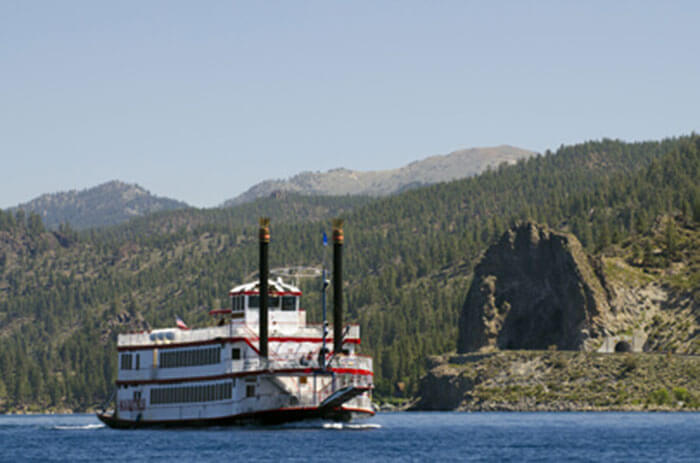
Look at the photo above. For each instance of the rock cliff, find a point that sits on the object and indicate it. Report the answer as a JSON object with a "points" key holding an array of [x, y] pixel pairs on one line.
{"points": [[534, 289]]}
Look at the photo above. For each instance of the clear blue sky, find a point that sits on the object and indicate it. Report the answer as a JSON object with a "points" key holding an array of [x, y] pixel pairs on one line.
{"points": [[200, 100]]}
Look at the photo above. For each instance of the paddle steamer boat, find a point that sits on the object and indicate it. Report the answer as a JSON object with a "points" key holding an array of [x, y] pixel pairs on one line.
{"points": [[261, 363]]}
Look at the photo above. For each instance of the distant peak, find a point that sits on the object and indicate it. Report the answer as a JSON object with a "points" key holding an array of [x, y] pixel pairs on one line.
{"points": [[108, 203], [343, 181]]}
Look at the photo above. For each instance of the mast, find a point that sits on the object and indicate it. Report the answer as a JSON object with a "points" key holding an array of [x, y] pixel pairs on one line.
{"points": [[264, 237]]}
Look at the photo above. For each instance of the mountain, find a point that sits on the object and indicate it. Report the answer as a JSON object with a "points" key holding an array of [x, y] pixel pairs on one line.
{"points": [[409, 262], [106, 204], [435, 169]]}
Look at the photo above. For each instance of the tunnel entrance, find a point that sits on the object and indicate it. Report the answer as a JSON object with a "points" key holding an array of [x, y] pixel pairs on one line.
{"points": [[623, 346]]}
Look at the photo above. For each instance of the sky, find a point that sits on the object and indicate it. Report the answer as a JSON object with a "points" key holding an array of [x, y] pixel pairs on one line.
{"points": [[198, 101]]}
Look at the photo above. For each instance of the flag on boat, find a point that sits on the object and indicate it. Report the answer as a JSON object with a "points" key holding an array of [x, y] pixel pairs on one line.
{"points": [[180, 324]]}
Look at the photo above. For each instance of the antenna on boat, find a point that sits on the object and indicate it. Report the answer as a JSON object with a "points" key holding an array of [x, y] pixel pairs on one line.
{"points": [[324, 285]]}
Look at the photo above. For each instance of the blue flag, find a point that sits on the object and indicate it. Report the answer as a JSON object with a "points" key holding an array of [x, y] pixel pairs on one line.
{"points": [[325, 239]]}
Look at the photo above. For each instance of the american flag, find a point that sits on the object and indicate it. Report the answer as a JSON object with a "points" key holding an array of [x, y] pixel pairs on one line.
{"points": [[180, 324]]}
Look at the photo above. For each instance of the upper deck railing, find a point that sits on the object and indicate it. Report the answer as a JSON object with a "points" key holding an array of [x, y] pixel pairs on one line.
{"points": [[343, 364], [158, 338]]}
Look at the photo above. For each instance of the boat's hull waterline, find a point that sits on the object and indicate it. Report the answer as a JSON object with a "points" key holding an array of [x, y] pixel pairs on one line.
{"points": [[265, 417]]}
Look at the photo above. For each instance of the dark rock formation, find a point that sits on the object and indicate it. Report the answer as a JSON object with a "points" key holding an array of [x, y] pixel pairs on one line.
{"points": [[443, 387], [534, 289]]}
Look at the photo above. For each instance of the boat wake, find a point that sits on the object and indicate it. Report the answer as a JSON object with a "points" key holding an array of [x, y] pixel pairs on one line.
{"points": [[81, 427], [352, 427], [319, 424]]}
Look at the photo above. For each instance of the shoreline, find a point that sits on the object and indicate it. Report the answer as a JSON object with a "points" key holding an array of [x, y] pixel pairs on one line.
{"points": [[552, 381]]}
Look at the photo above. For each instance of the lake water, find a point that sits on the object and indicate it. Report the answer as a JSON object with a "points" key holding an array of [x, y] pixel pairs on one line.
{"points": [[386, 437]]}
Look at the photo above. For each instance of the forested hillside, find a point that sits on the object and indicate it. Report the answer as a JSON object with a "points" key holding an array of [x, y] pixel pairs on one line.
{"points": [[64, 295], [107, 204]]}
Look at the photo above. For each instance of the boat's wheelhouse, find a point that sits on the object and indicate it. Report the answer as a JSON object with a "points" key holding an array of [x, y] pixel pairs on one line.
{"points": [[284, 306]]}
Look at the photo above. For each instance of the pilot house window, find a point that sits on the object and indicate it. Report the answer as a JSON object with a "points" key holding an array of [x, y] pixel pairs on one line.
{"points": [[237, 303], [289, 303]]}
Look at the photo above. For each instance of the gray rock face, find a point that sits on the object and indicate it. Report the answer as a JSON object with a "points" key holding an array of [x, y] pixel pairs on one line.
{"points": [[533, 289], [443, 388], [435, 169]]}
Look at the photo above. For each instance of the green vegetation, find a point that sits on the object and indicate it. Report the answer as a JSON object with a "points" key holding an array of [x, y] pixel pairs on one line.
{"points": [[64, 295], [545, 380]]}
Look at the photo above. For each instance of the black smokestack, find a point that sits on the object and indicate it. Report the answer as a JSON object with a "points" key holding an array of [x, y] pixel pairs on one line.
{"points": [[338, 285], [264, 274]]}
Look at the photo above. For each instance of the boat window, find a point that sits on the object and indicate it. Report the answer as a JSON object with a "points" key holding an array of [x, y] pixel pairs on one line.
{"points": [[201, 393], [253, 302], [170, 336], [289, 303], [235, 353], [138, 361], [190, 357], [274, 302], [126, 362], [250, 390]]}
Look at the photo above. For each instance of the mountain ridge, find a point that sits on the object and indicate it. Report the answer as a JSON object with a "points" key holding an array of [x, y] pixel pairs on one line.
{"points": [[105, 204], [342, 181]]}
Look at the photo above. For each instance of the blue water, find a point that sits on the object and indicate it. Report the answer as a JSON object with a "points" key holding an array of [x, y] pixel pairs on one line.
{"points": [[513, 437]]}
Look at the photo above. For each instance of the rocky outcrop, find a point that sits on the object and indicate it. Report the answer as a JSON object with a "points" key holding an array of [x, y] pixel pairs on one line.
{"points": [[533, 289], [443, 387], [125, 322]]}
